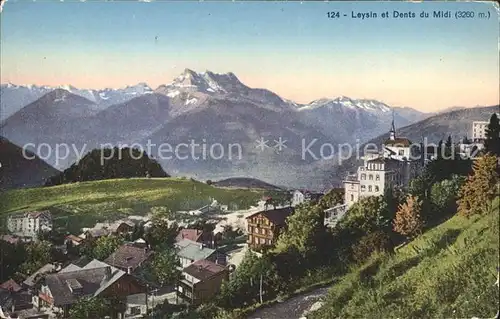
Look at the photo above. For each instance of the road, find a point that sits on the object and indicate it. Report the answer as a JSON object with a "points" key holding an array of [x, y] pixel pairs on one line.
{"points": [[293, 308]]}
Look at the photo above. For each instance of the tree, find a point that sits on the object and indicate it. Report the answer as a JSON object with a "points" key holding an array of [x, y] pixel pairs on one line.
{"points": [[161, 234], [492, 141], [251, 281], [421, 185], [376, 241], [38, 254], [365, 216], [105, 246], [408, 221], [164, 268], [333, 197], [445, 193], [477, 193], [303, 229], [90, 307], [12, 256], [109, 163]]}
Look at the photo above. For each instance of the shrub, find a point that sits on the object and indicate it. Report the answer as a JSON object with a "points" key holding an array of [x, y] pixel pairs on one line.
{"points": [[376, 241]]}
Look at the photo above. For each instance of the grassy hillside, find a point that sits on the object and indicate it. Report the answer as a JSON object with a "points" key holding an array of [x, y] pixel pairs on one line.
{"points": [[87, 201], [449, 272]]}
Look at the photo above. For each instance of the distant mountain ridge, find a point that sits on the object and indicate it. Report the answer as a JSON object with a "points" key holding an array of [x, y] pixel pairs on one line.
{"points": [[17, 170], [212, 109], [14, 97]]}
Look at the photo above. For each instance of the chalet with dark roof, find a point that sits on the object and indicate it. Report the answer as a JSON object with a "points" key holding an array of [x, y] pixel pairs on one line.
{"points": [[264, 227], [201, 281], [129, 257], [63, 289]]}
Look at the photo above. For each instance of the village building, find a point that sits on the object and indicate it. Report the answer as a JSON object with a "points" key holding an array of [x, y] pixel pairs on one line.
{"points": [[302, 196], [199, 236], [394, 167], [478, 132], [189, 252], [129, 257], [74, 240], [29, 224], [201, 281], [32, 281], [63, 289], [93, 233], [264, 227]]}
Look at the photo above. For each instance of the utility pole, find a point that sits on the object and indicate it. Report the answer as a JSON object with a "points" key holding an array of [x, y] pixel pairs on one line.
{"points": [[260, 288]]}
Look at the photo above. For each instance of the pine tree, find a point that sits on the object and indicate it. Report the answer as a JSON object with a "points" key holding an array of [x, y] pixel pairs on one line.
{"points": [[408, 221], [477, 193], [492, 142]]}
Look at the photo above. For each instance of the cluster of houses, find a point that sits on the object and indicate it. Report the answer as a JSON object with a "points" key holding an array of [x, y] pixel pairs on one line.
{"points": [[394, 166], [54, 288]]}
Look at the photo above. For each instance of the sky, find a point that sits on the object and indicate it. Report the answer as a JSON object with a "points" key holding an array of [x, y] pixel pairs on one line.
{"points": [[290, 48]]}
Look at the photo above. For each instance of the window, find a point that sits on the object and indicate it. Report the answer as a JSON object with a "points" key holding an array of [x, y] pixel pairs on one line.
{"points": [[376, 188], [262, 231], [363, 188], [270, 232], [377, 177], [363, 176], [269, 241], [352, 198], [370, 188], [401, 152], [135, 311], [262, 240], [370, 177]]}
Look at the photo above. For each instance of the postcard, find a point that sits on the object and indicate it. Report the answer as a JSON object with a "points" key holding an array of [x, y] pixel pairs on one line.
{"points": [[249, 159]]}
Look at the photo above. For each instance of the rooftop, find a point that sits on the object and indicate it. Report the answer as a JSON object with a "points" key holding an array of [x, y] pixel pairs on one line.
{"points": [[90, 280], [204, 269], [11, 285], [128, 256], [191, 234], [34, 214], [398, 142], [195, 251], [276, 216], [34, 278]]}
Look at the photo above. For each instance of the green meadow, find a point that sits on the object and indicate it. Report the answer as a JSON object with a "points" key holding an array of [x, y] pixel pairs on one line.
{"points": [[448, 272], [81, 204]]}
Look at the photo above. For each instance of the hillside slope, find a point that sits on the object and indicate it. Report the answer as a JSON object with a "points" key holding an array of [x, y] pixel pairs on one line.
{"points": [[86, 202], [17, 171], [449, 272]]}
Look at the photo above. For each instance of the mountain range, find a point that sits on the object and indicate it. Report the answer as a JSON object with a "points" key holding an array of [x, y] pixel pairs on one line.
{"points": [[15, 97], [208, 109]]}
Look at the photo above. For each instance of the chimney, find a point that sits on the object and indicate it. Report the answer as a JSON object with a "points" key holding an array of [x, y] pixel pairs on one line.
{"points": [[107, 272]]}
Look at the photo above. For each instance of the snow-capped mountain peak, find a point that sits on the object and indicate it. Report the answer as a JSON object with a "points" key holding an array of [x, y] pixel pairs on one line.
{"points": [[369, 105], [206, 82]]}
